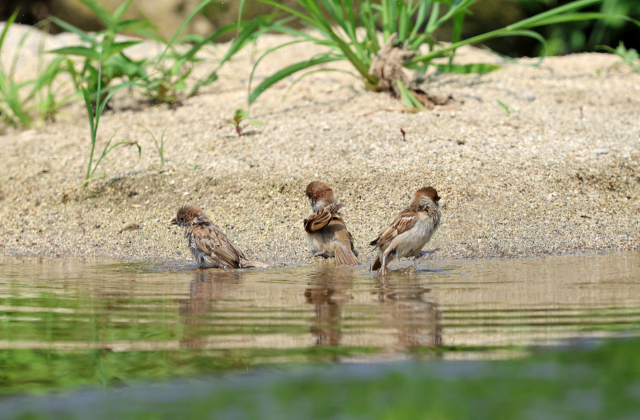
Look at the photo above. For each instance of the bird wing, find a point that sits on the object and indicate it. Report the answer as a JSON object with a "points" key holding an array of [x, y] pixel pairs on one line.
{"points": [[320, 219], [211, 240], [402, 223]]}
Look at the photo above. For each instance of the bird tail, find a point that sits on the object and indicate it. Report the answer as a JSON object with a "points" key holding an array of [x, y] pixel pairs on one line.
{"points": [[344, 256], [253, 264], [377, 264]]}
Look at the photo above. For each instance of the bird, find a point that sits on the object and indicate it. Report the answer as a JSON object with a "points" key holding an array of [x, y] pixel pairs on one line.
{"points": [[325, 228], [209, 245], [410, 230]]}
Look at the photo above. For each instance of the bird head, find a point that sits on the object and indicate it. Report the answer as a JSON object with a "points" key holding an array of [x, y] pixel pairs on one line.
{"points": [[190, 216], [425, 197], [320, 195]]}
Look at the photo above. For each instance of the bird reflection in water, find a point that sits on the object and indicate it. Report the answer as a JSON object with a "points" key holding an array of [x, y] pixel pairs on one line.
{"points": [[207, 287], [326, 292], [409, 309]]}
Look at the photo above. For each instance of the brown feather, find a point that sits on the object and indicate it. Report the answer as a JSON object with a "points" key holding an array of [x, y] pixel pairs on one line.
{"points": [[320, 219], [343, 249], [402, 223], [212, 241], [317, 221]]}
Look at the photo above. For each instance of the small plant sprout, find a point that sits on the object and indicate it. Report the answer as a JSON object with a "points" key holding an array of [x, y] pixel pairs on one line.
{"points": [[628, 56], [506, 108], [159, 145], [404, 134], [94, 120], [238, 118]]}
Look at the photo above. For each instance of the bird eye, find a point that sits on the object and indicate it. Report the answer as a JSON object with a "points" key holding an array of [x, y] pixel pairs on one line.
{"points": [[181, 219]]}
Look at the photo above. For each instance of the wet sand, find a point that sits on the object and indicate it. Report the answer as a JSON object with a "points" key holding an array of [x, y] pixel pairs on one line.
{"points": [[559, 175]]}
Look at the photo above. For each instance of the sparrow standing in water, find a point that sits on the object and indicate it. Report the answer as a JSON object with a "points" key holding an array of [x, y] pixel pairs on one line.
{"points": [[410, 230], [325, 228], [210, 247]]}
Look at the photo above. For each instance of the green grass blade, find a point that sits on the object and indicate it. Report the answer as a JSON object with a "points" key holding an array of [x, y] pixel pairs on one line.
{"points": [[314, 72], [478, 68], [87, 101], [117, 47], [369, 21], [433, 18], [405, 20], [240, 10], [408, 98], [101, 12], [476, 39], [117, 15], [70, 28], [423, 10], [180, 29], [531, 22], [453, 10], [267, 52], [77, 51], [290, 11], [10, 93], [7, 25], [575, 17], [136, 25], [287, 71], [458, 22]]}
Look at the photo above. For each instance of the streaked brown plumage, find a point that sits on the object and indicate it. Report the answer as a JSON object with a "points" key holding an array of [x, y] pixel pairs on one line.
{"points": [[325, 228], [410, 230], [209, 245]]}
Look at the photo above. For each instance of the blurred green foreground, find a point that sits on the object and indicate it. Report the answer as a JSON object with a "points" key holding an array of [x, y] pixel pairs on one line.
{"points": [[583, 382]]}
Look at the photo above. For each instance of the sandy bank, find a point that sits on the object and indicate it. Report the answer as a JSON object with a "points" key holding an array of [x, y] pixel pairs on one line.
{"points": [[560, 174]]}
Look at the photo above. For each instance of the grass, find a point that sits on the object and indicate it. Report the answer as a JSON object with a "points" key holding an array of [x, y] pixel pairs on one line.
{"points": [[159, 145], [355, 31], [27, 103], [349, 30], [94, 111], [629, 56], [102, 49]]}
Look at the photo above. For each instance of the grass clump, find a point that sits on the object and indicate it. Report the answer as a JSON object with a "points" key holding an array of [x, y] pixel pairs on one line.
{"points": [[27, 102], [159, 145], [629, 56], [104, 57], [94, 121], [349, 29]]}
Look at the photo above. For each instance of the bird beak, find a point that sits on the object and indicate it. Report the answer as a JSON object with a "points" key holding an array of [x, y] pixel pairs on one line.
{"points": [[174, 221]]}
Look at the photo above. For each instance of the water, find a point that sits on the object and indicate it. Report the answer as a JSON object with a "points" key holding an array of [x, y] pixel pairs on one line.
{"points": [[65, 323]]}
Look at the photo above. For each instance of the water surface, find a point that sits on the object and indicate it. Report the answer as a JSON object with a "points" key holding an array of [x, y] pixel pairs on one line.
{"points": [[70, 322]]}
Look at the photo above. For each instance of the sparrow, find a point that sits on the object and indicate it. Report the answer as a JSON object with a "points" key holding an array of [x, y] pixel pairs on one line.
{"points": [[410, 230], [209, 245], [325, 228]]}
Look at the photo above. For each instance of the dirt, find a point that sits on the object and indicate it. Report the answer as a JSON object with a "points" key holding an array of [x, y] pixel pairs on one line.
{"points": [[558, 173]]}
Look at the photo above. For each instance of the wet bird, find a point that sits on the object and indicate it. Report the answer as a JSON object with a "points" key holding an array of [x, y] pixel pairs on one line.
{"points": [[410, 230], [209, 245], [325, 228]]}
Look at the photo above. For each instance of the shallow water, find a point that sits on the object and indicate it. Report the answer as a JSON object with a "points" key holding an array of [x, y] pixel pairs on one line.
{"points": [[70, 322]]}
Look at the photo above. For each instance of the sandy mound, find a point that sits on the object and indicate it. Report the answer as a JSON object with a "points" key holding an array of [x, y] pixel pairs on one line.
{"points": [[561, 174]]}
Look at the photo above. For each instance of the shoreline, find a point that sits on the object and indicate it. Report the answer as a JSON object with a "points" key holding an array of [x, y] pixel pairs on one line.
{"points": [[557, 176]]}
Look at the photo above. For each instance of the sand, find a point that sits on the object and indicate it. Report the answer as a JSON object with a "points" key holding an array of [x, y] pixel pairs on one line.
{"points": [[560, 174]]}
